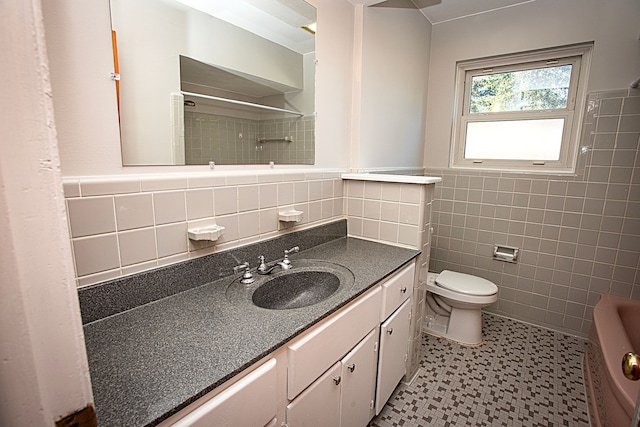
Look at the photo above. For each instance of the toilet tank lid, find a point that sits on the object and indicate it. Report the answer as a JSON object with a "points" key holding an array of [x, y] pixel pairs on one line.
{"points": [[466, 283]]}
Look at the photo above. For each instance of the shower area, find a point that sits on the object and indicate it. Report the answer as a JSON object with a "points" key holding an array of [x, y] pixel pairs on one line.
{"points": [[235, 141]]}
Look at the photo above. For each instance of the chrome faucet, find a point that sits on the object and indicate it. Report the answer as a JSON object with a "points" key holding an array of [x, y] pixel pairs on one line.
{"points": [[262, 267], [247, 277], [285, 264]]}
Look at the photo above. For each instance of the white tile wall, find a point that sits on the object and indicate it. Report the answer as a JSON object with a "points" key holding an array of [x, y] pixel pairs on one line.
{"points": [[398, 214], [226, 200], [169, 206], [91, 216], [285, 193], [248, 198], [137, 246], [96, 253], [200, 203], [389, 212], [268, 196], [171, 239], [134, 211], [129, 224]]}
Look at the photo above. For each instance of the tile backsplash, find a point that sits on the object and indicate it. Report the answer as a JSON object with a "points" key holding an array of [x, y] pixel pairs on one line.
{"points": [[123, 225], [579, 235]]}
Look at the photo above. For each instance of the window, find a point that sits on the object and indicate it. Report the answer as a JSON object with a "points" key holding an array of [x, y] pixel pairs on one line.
{"points": [[520, 112]]}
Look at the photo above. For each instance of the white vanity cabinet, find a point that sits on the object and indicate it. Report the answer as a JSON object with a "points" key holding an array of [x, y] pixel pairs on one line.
{"points": [[229, 408], [317, 350], [359, 369], [342, 396], [396, 289], [318, 405], [326, 343], [395, 316], [338, 373]]}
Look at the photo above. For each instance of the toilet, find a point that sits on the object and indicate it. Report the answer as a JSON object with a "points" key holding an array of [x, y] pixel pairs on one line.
{"points": [[454, 306]]}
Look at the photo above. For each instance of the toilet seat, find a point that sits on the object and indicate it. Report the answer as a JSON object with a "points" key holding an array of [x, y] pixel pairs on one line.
{"points": [[465, 283]]}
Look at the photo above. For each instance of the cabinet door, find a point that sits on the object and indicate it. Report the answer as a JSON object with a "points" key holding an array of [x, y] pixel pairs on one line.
{"points": [[359, 382], [394, 339], [319, 404], [229, 408]]}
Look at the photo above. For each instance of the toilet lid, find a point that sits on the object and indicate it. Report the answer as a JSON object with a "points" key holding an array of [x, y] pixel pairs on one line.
{"points": [[466, 283]]}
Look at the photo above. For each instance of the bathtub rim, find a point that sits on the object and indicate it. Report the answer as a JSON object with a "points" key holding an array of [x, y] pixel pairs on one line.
{"points": [[613, 340]]}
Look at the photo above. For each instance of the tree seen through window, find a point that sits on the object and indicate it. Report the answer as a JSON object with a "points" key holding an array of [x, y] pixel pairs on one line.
{"points": [[528, 90]]}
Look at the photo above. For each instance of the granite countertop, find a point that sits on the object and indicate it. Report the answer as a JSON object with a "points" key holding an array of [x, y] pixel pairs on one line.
{"points": [[151, 361]]}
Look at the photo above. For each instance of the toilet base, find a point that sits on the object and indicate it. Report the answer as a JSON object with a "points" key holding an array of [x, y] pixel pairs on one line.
{"points": [[462, 326], [427, 330]]}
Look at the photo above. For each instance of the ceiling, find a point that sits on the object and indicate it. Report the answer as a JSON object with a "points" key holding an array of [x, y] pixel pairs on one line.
{"points": [[277, 20], [438, 11], [280, 20]]}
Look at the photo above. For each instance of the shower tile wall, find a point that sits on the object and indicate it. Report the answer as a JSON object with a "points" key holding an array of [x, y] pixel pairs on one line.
{"points": [[302, 148], [215, 138], [228, 140], [579, 235]]}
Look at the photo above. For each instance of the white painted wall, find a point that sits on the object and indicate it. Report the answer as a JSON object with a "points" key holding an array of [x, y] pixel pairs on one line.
{"points": [[395, 69], [612, 25], [44, 374], [304, 100], [79, 39], [80, 57], [334, 73]]}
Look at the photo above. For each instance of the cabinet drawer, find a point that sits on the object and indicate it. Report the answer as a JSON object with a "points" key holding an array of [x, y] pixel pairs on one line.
{"points": [[229, 408], [329, 341], [396, 289]]}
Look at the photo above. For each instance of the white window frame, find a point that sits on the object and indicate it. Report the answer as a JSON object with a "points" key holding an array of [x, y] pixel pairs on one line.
{"points": [[579, 56]]}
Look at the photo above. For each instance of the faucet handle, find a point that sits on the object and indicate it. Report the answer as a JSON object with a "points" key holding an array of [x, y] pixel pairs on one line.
{"points": [[293, 250], [238, 268], [247, 277], [261, 264]]}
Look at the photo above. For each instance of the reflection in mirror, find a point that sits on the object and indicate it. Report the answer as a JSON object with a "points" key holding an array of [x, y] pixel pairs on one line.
{"points": [[240, 120], [196, 87]]}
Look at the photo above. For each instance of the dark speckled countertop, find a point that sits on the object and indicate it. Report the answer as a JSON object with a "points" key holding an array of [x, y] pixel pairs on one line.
{"points": [[149, 362]]}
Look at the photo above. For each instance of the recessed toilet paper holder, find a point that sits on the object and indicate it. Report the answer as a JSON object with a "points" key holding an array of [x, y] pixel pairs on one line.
{"points": [[505, 253]]}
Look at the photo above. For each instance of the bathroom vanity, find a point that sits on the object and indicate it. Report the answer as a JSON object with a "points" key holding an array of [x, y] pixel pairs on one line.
{"points": [[198, 355], [335, 374]]}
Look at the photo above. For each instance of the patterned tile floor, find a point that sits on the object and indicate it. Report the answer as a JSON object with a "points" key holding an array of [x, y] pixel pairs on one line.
{"points": [[521, 375]]}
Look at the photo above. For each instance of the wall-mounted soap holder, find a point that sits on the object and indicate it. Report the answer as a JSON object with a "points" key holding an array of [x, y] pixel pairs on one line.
{"points": [[211, 233], [290, 216], [505, 253]]}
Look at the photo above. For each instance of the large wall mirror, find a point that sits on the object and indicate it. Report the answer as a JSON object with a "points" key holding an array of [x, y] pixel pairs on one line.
{"points": [[230, 82]]}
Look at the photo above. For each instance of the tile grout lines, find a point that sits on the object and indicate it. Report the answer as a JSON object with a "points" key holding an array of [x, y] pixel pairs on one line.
{"points": [[521, 376]]}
